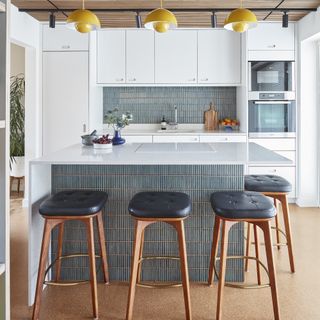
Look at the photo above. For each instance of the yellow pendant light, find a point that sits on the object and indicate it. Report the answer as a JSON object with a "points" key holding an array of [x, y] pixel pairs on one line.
{"points": [[160, 20], [240, 20], [83, 20]]}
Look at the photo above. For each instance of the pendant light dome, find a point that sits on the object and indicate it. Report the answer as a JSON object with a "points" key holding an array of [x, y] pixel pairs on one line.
{"points": [[240, 20], [160, 20], [83, 20]]}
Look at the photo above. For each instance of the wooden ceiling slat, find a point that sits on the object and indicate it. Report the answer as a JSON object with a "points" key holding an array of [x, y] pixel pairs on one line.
{"points": [[196, 19]]}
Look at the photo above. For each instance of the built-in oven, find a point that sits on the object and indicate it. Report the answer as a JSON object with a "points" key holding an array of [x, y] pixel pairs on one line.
{"points": [[272, 115], [271, 76]]}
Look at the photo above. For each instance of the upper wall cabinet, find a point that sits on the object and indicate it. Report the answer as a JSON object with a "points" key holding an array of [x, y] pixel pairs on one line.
{"points": [[140, 56], [219, 57], [62, 38], [176, 57], [111, 57], [271, 36]]}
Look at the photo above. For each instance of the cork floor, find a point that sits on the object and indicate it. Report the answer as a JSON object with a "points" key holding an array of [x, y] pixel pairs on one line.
{"points": [[299, 293]]}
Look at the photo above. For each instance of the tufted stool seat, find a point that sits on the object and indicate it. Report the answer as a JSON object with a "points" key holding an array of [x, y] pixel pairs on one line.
{"points": [[81, 205], [148, 208], [266, 183], [277, 188], [231, 207], [160, 205], [242, 205]]}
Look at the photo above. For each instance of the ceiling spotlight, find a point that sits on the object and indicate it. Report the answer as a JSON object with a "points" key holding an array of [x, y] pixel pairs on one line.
{"points": [[138, 20], [214, 20], [52, 20], [285, 20]]}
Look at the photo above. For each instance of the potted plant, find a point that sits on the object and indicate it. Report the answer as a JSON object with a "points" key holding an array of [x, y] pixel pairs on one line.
{"points": [[118, 122], [17, 90]]}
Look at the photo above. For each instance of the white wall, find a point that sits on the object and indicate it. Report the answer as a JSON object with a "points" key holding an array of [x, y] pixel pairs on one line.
{"points": [[309, 115], [26, 31], [17, 63]]}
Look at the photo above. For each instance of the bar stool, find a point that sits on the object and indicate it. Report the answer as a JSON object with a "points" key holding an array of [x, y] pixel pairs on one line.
{"points": [[277, 188], [65, 206], [148, 208], [241, 206]]}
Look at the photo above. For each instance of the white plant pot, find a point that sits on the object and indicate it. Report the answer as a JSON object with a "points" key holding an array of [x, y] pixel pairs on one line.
{"points": [[17, 167]]}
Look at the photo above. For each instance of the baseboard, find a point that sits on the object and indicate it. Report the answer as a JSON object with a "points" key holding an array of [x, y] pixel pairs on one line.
{"points": [[25, 203]]}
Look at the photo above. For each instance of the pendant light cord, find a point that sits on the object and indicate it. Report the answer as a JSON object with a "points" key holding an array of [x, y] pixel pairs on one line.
{"points": [[161, 4], [82, 4]]}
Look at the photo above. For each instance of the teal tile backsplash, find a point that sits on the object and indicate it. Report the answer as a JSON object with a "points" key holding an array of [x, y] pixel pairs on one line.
{"points": [[149, 104]]}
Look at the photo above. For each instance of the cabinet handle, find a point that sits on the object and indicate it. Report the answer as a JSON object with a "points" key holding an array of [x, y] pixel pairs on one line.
{"points": [[192, 80], [226, 139], [272, 46], [206, 79], [66, 46], [133, 79], [119, 80]]}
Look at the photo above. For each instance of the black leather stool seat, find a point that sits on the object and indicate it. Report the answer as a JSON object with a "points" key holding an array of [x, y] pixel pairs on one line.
{"points": [[74, 203], [242, 205], [160, 205], [266, 183]]}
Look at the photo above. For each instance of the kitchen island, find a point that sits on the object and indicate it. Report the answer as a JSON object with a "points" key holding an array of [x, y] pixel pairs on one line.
{"points": [[196, 169]]}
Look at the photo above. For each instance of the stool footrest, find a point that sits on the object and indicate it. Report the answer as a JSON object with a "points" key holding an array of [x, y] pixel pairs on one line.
{"points": [[158, 258], [158, 285]]}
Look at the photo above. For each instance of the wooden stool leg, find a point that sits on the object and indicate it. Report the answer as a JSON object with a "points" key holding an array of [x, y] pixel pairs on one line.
{"points": [[214, 250], [19, 185], [256, 245], [59, 251], [48, 226], [92, 259], [179, 225], [140, 256], [286, 219], [277, 222], [103, 249], [140, 226], [226, 225], [11, 183], [265, 226], [248, 243]]}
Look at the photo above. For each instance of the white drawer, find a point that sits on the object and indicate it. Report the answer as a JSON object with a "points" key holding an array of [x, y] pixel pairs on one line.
{"points": [[289, 173], [138, 139], [276, 144], [291, 155], [219, 138], [164, 139]]}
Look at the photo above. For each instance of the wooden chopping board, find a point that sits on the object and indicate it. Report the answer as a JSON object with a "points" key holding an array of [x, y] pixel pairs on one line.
{"points": [[211, 118]]}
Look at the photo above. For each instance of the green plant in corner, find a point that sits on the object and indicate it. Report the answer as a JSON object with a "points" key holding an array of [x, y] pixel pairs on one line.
{"points": [[17, 91]]}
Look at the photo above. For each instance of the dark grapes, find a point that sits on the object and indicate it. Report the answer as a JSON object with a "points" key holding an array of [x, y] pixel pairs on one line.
{"points": [[103, 140]]}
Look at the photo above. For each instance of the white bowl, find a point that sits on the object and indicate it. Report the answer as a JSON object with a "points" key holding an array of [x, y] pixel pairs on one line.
{"points": [[102, 146]]}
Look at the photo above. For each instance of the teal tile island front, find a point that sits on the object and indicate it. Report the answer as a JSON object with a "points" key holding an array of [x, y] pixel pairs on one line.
{"points": [[196, 169]]}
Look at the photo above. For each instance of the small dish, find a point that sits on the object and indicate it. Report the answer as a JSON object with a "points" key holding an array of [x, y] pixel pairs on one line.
{"points": [[102, 146]]}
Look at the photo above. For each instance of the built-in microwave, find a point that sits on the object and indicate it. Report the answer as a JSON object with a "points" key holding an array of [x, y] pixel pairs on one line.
{"points": [[272, 115], [271, 76]]}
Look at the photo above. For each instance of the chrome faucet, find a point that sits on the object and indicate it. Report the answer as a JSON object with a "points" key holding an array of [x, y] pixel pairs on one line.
{"points": [[174, 125]]}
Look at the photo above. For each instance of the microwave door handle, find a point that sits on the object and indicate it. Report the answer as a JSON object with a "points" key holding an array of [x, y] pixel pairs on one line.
{"points": [[272, 102]]}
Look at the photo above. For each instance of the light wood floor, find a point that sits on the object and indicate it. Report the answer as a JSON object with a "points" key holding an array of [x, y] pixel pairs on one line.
{"points": [[299, 293]]}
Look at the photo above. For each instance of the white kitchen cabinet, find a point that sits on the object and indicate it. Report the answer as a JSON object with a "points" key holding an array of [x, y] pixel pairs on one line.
{"points": [[177, 139], [111, 57], [138, 139], [276, 144], [220, 138], [271, 36], [291, 155], [65, 99], [139, 56], [219, 57], [62, 38], [289, 173], [176, 57]]}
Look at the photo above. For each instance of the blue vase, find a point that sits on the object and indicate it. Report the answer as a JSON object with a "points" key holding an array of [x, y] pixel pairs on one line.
{"points": [[117, 138]]}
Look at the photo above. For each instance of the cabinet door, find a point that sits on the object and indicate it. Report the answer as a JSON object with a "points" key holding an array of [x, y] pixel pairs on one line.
{"points": [[177, 139], [276, 144], [65, 99], [271, 36], [138, 139], [176, 57], [140, 56], [220, 138], [62, 38], [111, 56], [219, 57]]}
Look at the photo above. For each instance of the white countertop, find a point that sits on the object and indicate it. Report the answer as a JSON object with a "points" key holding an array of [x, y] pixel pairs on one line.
{"points": [[166, 154]]}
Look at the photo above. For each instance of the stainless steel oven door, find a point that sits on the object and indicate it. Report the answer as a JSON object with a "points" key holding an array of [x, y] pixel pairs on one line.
{"points": [[272, 118]]}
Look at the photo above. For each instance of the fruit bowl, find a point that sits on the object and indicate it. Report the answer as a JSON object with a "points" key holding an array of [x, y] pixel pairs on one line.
{"points": [[102, 146], [229, 125], [102, 143]]}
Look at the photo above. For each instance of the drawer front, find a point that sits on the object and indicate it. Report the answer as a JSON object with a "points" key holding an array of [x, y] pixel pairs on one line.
{"points": [[288, 154], [281, 144], [289, 173], [209, 139], [138, 139], [164, 139]]}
